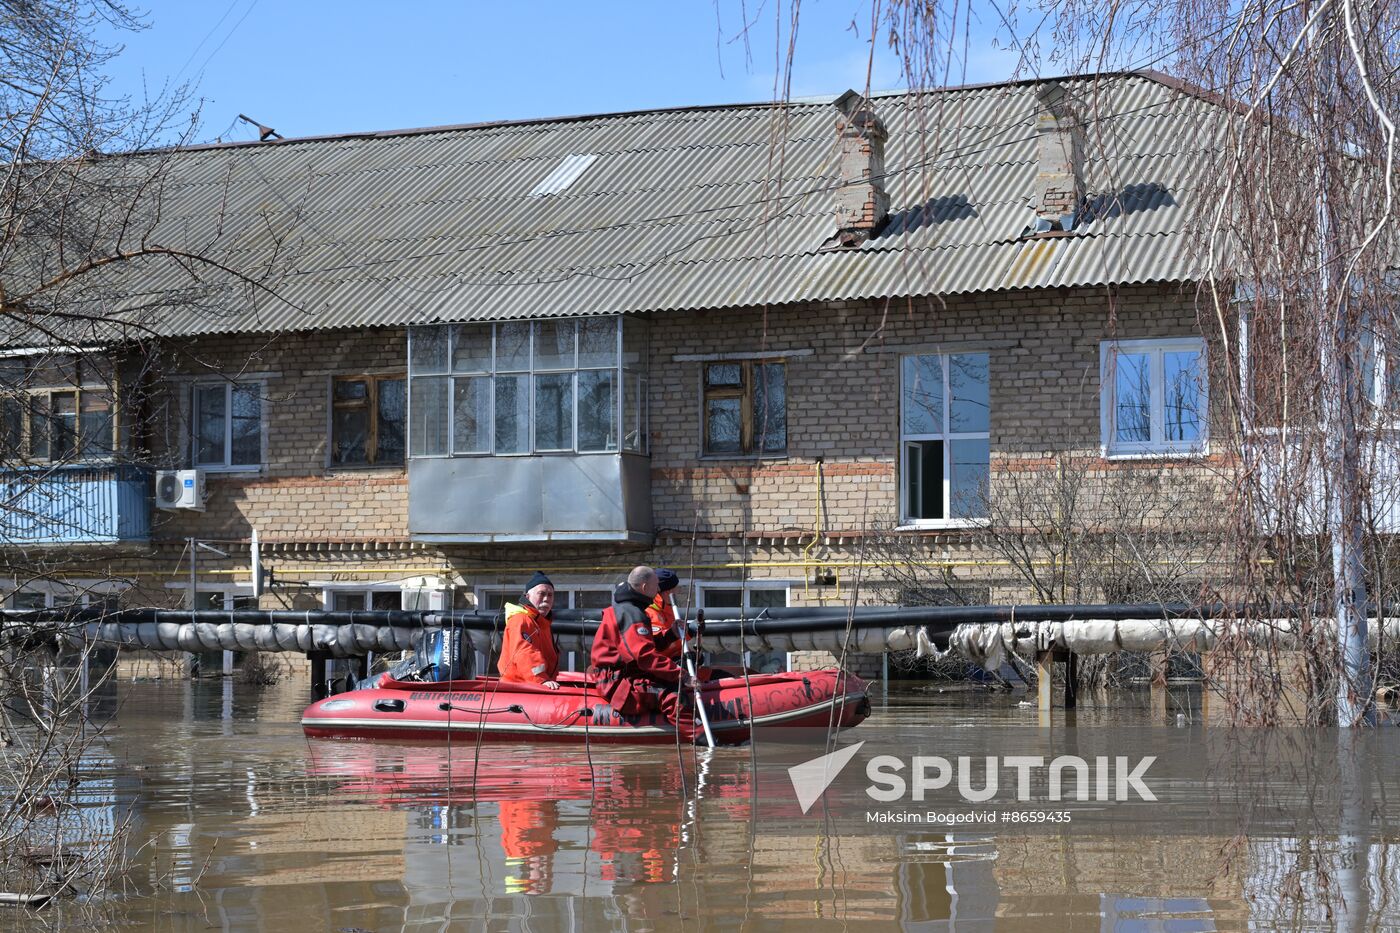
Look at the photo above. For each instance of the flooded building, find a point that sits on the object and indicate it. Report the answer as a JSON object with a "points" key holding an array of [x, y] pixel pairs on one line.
{"points": [[779, 348]]}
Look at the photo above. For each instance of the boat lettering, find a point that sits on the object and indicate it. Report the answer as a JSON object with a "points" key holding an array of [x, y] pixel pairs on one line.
{"points": [[450, 697]]}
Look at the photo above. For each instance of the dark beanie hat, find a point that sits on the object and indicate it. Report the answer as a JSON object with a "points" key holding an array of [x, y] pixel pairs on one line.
{"points": [[536, 580], [667, 580]]}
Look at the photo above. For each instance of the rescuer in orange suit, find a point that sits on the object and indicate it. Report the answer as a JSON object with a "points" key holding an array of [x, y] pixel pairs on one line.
{"points": [[528, 654], [632, 674], [527, 839], [663, 615], [665, 630]]}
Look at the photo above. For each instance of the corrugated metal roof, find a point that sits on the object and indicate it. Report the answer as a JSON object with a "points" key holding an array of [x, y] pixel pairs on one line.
{"points": [[711, 207]]}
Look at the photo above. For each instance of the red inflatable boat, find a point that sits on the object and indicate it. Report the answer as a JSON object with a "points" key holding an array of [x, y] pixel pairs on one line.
{"points": [[513, 712]]}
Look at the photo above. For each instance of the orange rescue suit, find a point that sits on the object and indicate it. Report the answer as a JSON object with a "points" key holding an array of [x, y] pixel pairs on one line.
{"points": [[528, 655], [663, 626]]}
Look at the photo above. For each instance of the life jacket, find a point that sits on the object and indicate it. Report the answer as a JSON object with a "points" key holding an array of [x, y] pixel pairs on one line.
{"points": [[663, 626], [528, 654]]}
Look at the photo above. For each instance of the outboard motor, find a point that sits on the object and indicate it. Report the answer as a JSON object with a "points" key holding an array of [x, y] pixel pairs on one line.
{"points": [[442, 654]]}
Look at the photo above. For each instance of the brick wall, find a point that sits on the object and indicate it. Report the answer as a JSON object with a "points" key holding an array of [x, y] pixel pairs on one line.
{"points": [[842, 409], [843, 399], [756, 517], [296, 495]]}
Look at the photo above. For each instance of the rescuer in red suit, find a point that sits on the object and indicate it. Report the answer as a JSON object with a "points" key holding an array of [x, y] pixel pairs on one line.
{"points": [[632, 673]]}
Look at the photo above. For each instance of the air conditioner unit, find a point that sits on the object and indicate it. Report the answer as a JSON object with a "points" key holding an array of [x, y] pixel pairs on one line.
{"points": [[180, 489]]}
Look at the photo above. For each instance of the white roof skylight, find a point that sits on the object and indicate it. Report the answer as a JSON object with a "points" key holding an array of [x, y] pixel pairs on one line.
{"points": [[564, 174]]}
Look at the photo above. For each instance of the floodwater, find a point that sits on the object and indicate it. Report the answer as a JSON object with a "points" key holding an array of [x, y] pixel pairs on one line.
{"points": [[238, 822]]}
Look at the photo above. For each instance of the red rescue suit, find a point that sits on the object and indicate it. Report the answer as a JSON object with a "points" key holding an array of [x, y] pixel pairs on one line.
{"points": [[528, 655], [631, 673]]}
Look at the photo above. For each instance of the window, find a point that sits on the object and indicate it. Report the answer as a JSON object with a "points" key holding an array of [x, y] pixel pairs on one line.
{"points": [[945, 436], [48, 594], [725, 600], [565, 597], [494, 599], [11, 427], [29, 599], [745, 409], [356, 600], [223, 599], [574, 385], [69, 416], [1380, 372], [1153, 396], [227, 425], [367, 420]]}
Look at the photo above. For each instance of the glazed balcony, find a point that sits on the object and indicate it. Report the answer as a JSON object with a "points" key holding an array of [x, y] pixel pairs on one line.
{"points": [[85, 503]]}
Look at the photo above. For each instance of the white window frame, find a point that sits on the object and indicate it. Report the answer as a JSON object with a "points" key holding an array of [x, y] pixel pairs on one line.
{"points": [[906, 521], [228, 590], [85, 590], [329, 591], [572, 660], [1157, 445], [621, 369], [749, 588], [513, 593], [228, 385], [753, 586]]}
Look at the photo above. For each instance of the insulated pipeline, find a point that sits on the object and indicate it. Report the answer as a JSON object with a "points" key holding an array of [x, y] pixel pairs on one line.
{"points": [[981, 633]]}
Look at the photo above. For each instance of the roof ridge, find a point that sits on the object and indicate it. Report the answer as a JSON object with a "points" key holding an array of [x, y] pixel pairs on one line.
{"points": [[1146, 74]]}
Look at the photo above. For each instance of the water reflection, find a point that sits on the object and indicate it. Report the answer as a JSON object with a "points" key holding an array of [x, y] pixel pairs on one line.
{"points": [[242, 823], [626, 810]]}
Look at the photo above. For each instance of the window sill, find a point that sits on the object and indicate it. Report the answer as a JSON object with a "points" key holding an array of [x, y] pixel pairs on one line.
{"points": [[232, 470], [76, 463], [1195, 453], [941, 524], [742, 458], [334, 468], [516, 456]]}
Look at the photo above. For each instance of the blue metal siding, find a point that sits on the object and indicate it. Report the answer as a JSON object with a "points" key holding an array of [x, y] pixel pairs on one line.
{"points": [[81, 504]]}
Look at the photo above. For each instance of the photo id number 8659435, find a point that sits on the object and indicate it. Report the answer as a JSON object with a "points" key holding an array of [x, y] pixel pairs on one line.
{"points": [[1036, 816]]}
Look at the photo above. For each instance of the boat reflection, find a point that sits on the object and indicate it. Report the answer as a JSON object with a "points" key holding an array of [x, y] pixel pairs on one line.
{"points": [[619, 817]]}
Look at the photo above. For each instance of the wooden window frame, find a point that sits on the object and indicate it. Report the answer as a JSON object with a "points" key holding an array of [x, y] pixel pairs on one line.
{"points": [[26, 400], [371, 402], [744, 391]]}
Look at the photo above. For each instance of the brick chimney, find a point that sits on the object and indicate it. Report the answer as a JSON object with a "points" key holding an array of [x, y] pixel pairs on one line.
{"points": [[862, 203], [1059, 179]]}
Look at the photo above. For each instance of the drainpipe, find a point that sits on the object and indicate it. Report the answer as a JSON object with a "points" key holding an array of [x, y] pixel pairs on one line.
{"points": [[816, 534], [192, 659]]}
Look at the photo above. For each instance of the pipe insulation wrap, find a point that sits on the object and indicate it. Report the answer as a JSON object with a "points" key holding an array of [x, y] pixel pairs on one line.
{"points": [[990, 644], [984, 634], [341, 641]]}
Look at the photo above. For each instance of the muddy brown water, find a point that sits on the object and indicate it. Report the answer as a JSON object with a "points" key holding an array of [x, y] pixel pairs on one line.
{"points": [[239, 822]]}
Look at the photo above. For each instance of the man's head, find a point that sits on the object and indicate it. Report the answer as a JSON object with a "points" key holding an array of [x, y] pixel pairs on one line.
{"points": [[666, 580], [540, 592], [643, 580]]}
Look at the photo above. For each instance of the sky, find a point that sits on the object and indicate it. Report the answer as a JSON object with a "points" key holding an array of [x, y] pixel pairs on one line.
{"points": [[306, 67]]}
